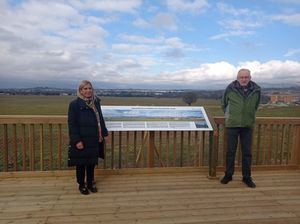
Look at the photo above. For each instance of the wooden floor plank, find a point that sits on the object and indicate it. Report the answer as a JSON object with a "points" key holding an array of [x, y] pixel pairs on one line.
{"points": [[175, 197]]}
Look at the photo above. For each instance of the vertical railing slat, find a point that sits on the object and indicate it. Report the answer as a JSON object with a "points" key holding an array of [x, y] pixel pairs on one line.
{"points": [[59, 146], [23, 133], [202, 148], [216, 144], [263, 145], [168, 148], [142, 156], [174, 148], [15, 147], [50, 137], [270, 144], [42, 147], [277, 144], [160, 146], [134, 147], [224, 145], [288, 151], [181, 148], [283, 131], [120, 149], [112, 165], [196, 151], [258, 144], [31, 147], [296, 145], [5, 145], [105, 154], [151, 149], [189, 149], [127, 149]]}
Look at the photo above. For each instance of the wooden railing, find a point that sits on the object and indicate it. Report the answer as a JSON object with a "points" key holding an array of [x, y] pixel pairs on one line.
{"points": [[276, 141], [40, 143]]}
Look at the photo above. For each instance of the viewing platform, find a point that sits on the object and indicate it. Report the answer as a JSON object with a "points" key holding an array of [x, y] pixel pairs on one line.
{"points": [[175, 181]]}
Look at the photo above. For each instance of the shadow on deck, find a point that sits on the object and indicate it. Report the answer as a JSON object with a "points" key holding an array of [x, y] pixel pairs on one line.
{"points": [[150, 196]]}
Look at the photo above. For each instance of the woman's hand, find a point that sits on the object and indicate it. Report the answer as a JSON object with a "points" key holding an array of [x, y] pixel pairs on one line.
{"points": [[79, 145], [106, 139]]}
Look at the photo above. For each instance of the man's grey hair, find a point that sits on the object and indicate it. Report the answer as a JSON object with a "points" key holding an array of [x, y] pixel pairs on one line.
{"points": [[244, 70]]}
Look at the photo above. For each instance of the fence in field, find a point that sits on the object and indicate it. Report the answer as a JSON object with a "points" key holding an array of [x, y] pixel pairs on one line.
{"points": [[40, 143]]}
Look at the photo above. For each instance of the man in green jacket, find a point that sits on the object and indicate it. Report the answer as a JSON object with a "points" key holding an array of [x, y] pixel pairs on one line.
{"points": [[239, 103]]}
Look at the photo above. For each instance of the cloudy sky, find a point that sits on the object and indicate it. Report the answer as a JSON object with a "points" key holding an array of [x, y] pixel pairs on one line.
{"points": [[148, 44]]}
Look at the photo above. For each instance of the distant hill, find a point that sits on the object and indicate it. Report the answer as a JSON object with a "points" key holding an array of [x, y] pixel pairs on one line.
{"points": [[207, 94]]}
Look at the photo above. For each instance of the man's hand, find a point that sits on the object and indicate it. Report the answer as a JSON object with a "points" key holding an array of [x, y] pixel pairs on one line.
{"points": [[79, 145]]}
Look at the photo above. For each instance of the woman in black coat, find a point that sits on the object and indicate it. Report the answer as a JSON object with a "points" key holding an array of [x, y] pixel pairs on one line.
{"points": [[87, 132]]}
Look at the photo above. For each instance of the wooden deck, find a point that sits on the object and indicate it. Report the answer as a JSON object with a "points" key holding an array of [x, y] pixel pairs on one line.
{"points": [[178, 196]]}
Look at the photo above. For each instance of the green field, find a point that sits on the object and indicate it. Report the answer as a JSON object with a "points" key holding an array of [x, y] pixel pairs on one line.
{"points": [[58, 105]]}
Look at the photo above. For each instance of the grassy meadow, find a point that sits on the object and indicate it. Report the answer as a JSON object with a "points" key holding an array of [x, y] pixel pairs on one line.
{"points": [[58, 105]]}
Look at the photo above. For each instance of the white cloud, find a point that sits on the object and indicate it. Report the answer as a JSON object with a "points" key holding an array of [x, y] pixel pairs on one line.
{"points": [[101, 21], [292, 52], [172, 47], [164, 21], [274, 71], [228, 9], [161, 21], [219, 74], [204, 73], [48, 39], [131, 48], [286, 2], [239, 25], [108, 5], [231, 34], [141, 23], [238, 21], [293, 19], [194, 6], [141, 39]]}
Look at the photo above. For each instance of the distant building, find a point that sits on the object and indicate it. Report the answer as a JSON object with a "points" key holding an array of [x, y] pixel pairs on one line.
{"points": [[284, 98], [64, 94]]}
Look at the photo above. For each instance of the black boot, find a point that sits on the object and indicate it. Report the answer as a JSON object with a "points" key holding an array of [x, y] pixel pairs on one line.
{"points": [[226, 179], [249, 182], [83, 190], [92, 188]]}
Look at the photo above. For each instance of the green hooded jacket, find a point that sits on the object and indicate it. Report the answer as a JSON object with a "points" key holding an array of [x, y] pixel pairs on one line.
{"points": [[240, 108]]}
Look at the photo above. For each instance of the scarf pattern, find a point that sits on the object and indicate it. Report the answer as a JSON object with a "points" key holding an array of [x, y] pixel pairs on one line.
{"points": [[90, 102]]}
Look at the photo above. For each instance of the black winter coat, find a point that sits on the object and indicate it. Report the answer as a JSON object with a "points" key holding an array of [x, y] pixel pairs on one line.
{"points": [[83, 127]]}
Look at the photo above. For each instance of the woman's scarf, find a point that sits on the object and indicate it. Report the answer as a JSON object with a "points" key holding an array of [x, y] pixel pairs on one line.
{"points": [[90, 102]]}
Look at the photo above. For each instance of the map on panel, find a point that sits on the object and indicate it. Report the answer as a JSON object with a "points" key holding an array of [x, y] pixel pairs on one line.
{"points": [[155, 118]]}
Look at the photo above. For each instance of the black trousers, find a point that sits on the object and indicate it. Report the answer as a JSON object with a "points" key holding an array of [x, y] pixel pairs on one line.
{"points": [[80, 174], [245, 135]]}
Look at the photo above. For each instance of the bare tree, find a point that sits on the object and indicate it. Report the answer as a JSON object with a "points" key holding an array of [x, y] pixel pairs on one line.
{"points": [[189, 98]]}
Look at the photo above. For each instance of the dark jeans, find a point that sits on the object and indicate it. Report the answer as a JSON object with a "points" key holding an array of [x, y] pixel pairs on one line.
{"points": [[245, 135], [80, 174]]}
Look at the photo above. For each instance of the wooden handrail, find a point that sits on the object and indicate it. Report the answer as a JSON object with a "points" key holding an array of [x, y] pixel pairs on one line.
{"points": [[267, 120], [33, 119]]}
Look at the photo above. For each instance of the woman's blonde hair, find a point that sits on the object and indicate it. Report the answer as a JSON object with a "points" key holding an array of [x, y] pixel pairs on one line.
{"points": [[82, 84]]}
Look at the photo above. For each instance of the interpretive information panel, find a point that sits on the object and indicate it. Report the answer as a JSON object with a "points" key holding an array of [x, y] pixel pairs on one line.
{"points": [[152, 118]]}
